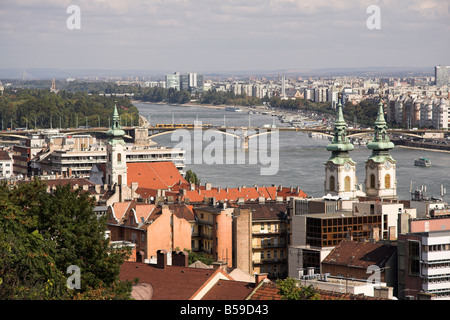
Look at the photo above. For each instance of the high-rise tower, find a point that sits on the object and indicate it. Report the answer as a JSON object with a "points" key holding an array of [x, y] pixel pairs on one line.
{"points": [[116, 164], [340, 169], [381, 167]]}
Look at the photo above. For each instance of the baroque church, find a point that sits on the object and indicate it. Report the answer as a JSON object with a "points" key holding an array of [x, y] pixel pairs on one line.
{"points": [[340, 168]]}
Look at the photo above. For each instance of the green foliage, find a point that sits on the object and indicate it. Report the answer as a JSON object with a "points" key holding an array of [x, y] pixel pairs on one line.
{"points": [[158, 94], [290, 289], [42, 234], [228, 97], [364, 112], [199, 256], [191, 177], [40, 108]]}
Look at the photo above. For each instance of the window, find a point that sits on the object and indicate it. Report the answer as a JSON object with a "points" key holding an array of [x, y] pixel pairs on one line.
{"points": [[414, 257], [347, 183], [372, 181], [332, 184], [387, 181], [119, 157]]}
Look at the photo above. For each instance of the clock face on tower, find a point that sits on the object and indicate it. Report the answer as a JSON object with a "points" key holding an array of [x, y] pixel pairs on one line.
{"points": [[347, 166], [387, 164]]}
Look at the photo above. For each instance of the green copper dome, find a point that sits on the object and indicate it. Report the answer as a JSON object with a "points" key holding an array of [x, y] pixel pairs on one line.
{"points": [[380, 140], [340, 141], [380, 144]]}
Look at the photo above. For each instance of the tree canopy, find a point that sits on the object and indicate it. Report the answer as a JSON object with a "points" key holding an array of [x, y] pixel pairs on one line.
{"points": [[40, 108], [43, 233], [191, 177], [290, 289]]}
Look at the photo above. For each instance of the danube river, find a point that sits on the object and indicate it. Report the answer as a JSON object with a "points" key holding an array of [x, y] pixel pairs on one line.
{"points": [[294, 158]]}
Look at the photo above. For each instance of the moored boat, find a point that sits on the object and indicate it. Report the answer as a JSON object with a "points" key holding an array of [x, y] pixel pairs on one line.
{"points": [[422, 162]]}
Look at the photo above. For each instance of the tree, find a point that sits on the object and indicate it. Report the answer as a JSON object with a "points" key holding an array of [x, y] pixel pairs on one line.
{"points": [[198, 256], [42, 234], [290, 289], [191, 177]]}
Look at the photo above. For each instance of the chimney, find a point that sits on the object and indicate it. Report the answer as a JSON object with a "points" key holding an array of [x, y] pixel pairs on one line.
{"points": [[219, 265], [161, 259], [208, 186], [180, 258], [383, 292], [260, 277]]}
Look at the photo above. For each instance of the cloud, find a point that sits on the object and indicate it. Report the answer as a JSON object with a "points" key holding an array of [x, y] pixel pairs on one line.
{"points": [[226, 33]]}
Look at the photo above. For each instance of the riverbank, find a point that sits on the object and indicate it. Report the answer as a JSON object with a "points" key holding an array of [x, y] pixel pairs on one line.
{"points": [[189, 104], [417, 145]]}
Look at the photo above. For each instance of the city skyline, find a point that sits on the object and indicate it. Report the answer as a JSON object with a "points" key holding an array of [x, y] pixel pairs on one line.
{"points": [[225, 36]]}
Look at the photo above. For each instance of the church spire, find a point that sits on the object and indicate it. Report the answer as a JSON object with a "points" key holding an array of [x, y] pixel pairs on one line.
{"points": [[115, 133], [380, 141], [340, 144]]}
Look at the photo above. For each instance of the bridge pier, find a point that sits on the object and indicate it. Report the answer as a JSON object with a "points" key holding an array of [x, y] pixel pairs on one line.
{"points": [[244, 139]]}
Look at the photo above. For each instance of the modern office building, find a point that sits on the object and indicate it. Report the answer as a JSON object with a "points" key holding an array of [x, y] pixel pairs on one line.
{"points": [[173, 81], [424, 265]]}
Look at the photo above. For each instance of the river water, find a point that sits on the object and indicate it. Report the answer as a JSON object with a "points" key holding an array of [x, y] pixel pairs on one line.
{"points": [[294, 158]]}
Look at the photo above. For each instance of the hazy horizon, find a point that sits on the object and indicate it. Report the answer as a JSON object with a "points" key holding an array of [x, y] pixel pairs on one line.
{"points": [[208, 36]]}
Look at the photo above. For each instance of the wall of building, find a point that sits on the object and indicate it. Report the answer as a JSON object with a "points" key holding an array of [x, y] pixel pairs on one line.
{"points": [[168, 233], [223, 236], [426, 225], [242, 240]]}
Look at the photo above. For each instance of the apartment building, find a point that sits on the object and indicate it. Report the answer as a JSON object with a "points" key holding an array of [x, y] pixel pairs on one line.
{"points": [[260, 238], [212, 232], [6, 165], [78, 154], [424, 259], [318, 226]]}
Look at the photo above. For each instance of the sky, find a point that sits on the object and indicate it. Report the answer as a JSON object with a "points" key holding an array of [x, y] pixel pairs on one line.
{"points": [[223, 35]]}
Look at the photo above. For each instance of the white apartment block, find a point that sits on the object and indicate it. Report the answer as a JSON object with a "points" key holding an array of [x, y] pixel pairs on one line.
{"points": [[78, 154], [6, 165]]}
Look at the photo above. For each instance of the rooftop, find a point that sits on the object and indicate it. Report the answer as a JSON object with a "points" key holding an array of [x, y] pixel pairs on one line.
{"points": [[360, 254]]}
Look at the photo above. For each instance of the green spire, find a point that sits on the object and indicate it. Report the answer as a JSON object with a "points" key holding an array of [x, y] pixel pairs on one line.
{"points": [[340, 145], [380, 140], [115, 133], [380, 143]]}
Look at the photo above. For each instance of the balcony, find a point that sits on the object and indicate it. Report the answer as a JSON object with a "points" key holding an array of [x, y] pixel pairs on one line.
{"points": [[267, 232], [270, 261], [268, 245], [427, 272], [436, 255], [443, 285]]}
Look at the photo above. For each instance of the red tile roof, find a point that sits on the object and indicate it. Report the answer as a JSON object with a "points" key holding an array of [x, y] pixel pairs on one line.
{"points": [[229, 290], [360, 254], [4, 155], [171, 282], [154, 175], [248, 193], [269, 291]]}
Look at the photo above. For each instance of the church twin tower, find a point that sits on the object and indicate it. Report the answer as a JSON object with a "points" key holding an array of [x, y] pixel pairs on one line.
{"points": [[340, 169]]}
